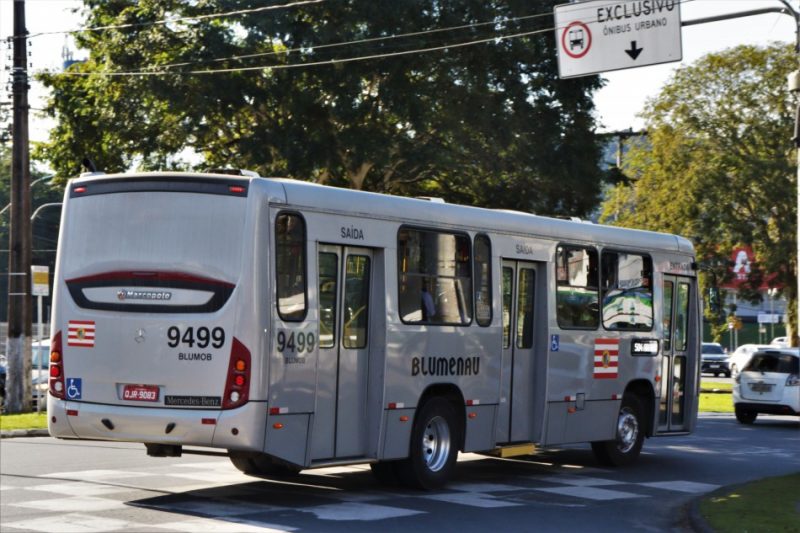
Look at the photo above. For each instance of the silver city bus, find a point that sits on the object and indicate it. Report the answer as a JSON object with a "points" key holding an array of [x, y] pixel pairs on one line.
{"points": [[297, 326]]}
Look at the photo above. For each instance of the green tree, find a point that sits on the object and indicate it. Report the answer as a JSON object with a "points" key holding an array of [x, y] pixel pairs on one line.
{"points": [[487, 124], [718, 165]]}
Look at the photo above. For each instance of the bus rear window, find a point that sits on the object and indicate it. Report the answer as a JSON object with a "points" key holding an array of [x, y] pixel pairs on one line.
{"points": [[188, 233]]}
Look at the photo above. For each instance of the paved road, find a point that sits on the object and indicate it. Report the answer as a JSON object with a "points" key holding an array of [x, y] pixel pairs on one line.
{"points": [[50, 485]]}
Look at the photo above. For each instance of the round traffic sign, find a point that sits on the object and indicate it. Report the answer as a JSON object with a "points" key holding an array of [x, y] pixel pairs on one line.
{"points": [[576, 39]]}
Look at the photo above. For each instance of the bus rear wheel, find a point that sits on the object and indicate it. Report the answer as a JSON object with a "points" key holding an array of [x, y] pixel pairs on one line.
{"points": [[261, 465], [434, 446], [627, 444]]}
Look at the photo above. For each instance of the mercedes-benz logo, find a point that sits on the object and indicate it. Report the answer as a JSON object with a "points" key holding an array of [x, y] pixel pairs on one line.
{"points": [[139, 338]]}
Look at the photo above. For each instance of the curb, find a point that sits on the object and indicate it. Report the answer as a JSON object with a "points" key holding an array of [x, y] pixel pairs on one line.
{"points": [[12, 433], [696, 520]]}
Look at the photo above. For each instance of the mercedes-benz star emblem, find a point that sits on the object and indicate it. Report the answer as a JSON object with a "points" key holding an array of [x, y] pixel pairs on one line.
{"points": [[139, 338]]}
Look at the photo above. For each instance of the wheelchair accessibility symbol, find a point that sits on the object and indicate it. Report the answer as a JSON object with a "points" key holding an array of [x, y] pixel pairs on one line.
{"points": [[73, 388]]}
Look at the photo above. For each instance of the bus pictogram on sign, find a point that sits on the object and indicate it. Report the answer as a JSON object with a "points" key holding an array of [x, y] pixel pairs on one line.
{"points": [[576, 39]]}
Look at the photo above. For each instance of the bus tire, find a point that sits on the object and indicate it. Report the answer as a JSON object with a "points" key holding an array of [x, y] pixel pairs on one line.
{"points": [[434, 446], [627, 444], [261, 465], [385, 472]]}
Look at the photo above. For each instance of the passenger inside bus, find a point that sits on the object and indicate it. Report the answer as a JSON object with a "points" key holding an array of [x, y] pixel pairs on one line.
{"points": [[427, 303]]}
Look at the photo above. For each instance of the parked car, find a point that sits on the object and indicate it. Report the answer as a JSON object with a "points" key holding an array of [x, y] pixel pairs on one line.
{"points": [[40, 355], [770, 383], [714, 360], [741, 356], [782, 342]]}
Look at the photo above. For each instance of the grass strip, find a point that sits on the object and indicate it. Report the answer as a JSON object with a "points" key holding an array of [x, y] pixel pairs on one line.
{"points": [[771, 504], [715, 403], [23, 421]]}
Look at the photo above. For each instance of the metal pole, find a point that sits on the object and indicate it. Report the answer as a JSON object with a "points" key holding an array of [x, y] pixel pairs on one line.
{"points": [[18, 349], [39, 356]]}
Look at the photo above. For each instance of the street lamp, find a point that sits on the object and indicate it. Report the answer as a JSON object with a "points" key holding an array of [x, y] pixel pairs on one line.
{"points": [[772, 293], [34, 182]]}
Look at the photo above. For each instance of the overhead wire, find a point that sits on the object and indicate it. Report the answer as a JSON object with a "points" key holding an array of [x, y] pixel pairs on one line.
{"points": [[163, 70], [366, 40], [177, 19]]}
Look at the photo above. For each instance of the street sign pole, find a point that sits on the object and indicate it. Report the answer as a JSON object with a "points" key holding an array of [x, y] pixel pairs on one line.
{"points": [[41, 287]]}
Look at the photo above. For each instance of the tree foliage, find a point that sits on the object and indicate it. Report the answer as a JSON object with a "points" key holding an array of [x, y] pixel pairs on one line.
{"points": [[718, 165], [487, 124]]}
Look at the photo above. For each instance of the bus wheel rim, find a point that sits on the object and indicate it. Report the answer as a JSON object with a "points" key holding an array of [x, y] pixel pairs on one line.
{"points": [[627, 430], [436, 443]]}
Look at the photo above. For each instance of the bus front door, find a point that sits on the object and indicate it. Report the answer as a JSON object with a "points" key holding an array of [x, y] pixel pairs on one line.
{"points": [[345, 284], [514, 422], [677, 340]]}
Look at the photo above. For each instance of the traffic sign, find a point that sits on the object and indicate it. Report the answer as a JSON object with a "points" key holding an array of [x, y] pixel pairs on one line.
{"points": [[41, 280], [603, 35]]}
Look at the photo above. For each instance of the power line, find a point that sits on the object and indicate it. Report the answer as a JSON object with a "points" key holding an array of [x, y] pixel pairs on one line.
{"points": [[174, 20], [363, 41], [143, 73]]}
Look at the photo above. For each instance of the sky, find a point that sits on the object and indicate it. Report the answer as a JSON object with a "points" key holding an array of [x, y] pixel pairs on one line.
{"points": [[618, 103]]}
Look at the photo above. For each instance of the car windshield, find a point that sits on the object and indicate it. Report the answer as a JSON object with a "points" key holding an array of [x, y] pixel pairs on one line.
{"points": [[774, 362], [40, 355], [713, 349]]}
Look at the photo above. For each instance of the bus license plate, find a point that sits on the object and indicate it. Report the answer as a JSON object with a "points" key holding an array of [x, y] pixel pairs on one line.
{"points": [[140, 393]]}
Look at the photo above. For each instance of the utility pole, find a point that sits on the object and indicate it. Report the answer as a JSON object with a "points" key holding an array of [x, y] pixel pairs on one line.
{"points": [[18, 344]]}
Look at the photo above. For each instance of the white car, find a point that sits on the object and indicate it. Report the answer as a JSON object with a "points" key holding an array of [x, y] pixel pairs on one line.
{"points": [[741, 356], [781, 342], [770, 383]]}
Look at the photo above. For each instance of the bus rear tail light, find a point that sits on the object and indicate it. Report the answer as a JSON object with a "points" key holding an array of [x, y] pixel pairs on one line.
{"points": [[57, 388], [793, 380], [237, 385]]}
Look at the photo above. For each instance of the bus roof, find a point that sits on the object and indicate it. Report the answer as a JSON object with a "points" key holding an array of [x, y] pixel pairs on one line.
{"points": [[424, 211]]}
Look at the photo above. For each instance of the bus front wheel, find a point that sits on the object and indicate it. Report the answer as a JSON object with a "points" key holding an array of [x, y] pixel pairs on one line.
{"points": [[627, 444], [434, 446]]}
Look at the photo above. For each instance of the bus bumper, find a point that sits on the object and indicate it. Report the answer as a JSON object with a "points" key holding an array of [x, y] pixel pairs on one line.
{"points": [[241, 429]]}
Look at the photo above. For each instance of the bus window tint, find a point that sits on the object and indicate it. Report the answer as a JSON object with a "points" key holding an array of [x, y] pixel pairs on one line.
{"points": [[435, 279], [576, 288], [328, 267], [682, 318], [627, 283], [483, 274], [356, 302], [290, 267]]}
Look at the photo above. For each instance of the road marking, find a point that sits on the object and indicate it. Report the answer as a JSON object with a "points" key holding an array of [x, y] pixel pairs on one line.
{"points": [[64, 505], [690, 487], [473, 499], [357, 511], [207, 525], [591, 493], [580, 481], [75, 523]]}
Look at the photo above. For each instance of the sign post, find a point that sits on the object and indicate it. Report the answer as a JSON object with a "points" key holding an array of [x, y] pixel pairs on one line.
{"points": [[603, 35], [41, 287]]}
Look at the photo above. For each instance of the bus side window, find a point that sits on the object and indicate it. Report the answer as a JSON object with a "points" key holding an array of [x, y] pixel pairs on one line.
{"points": [[483, 276], [577, 294], [434, 277], [290, 266], [627, 284]]}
